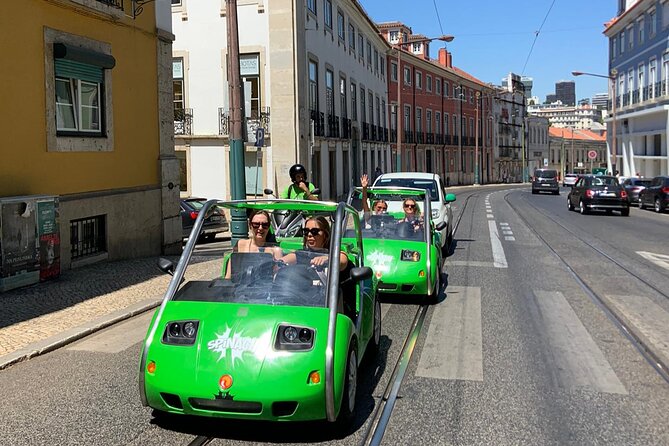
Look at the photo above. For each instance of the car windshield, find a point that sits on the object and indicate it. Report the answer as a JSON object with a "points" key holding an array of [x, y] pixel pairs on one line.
{"points": [[391, 224], [196, 204], [545, 173], [282, 272], [644, 183], [416, 183]]}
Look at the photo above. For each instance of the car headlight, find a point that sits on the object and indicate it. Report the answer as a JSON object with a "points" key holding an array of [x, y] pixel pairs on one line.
{"points": [[180, 332], [435, 213], [410, 256], [291, 337]]}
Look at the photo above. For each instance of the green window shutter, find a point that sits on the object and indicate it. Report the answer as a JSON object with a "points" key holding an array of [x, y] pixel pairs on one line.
{"points": [[77, 70]]}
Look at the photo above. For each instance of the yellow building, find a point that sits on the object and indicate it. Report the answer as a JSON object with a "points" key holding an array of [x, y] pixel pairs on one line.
{"points": [[88, 117]]}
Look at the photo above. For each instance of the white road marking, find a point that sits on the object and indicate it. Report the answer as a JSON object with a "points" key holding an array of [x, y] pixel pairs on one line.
{"points": [[469, 263], [504, 224], [507, 232], [118, 338], [497, 251], [648, 317], [490, 216], [454, 347], [510, 238], [577, 361], [661, 260]]}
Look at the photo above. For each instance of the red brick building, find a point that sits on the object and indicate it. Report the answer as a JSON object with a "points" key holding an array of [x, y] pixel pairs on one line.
{"points": [[439, 105]]}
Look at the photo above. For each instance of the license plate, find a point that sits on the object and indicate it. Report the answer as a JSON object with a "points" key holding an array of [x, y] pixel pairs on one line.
{"points": [[607, 194], [215, 218]]}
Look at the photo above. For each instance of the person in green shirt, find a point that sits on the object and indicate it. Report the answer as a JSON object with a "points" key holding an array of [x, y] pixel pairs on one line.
{"points": [[300, 189]]}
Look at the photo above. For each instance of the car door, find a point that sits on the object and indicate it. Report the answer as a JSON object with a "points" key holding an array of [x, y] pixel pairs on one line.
{"points": [[576, 191]]}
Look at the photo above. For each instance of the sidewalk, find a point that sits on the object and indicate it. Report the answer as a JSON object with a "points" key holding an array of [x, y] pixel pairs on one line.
{"points": [[46, 316]]}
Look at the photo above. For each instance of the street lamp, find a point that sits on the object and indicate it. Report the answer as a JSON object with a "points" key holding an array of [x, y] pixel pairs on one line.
{"points": [[398, 47], [613, 153]]}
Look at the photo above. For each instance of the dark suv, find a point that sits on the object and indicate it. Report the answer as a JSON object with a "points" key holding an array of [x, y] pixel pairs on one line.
{"points": [[656, 194], [545, 180]]}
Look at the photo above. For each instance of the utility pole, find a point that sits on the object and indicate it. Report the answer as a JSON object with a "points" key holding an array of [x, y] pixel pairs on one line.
{"points": [[237, 175], [573, 160], [400, 73], [476, 143]]}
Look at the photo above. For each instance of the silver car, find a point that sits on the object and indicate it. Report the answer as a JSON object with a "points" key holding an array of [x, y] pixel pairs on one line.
{"points": [[570, 179]]}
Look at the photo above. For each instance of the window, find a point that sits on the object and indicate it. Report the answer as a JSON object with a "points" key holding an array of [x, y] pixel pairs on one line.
{"points": [[614, 48], [437, 123], [394, 36], [393, 71], [640, 25], [416, 47], [407, 117], [622, 42], [652, 78], [327, 6], [419, 120], [641, 80], [419, 79], [363, 110], [437, 85], [311, 5], [382, 61], [250, 72], [354, 102], [343, 102], [329, 92], [652, 19], [370, 104], [447, 88], [455, 125], [376, 61], [377, 102], [341, 26], [88, 236], [428, 121], [313, 86], [428, 83], [407, 76], [630, 37], [361, 46], [369, 54], [351, 36], [446, 126], [665, 14], [383, 114]]}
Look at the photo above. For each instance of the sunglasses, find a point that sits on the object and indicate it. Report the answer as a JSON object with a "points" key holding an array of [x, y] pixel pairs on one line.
{"points": [[256, 225], [409, 206], [312, 231]]}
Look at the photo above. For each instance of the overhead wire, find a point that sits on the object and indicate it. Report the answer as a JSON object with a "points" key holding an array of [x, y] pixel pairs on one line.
{"points": [[536, 36]]}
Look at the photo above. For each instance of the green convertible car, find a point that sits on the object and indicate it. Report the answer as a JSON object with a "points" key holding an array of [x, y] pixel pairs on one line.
{"points": [[406, 256], [273, 342]]}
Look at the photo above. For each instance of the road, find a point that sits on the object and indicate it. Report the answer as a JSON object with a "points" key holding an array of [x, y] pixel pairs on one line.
{"points": [[524, 347]]}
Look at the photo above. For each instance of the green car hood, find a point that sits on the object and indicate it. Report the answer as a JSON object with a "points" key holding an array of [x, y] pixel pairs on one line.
{"points": [[383, 256]]}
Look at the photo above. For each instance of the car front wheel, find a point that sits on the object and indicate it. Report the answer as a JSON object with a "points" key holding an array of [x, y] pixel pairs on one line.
{"points": [[581, 207], [569, 205], [658, 205], [347, 409]]}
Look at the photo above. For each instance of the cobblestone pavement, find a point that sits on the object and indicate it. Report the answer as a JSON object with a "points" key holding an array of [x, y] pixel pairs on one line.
{"points": [[44, 316]]}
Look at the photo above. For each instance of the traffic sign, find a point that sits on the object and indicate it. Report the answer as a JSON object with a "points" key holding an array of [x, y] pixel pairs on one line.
{"points": [[260, 137], [592, 154]]}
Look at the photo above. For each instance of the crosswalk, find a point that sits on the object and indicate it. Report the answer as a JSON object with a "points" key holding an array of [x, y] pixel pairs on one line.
{"points": [[453, 348]]}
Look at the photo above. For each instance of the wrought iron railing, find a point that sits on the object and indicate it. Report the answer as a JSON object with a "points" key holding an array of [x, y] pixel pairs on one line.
{"points": [[420, 137], [372, 129], [345, 128], [333, 126], [88, 236], [408, 136], [365, 131], [393, 135], [319, 122], [438, 138], [183, 121], [429, 138]]}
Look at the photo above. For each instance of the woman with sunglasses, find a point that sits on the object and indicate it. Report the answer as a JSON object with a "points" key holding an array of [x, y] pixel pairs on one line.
{"points": [[258, 242], [316, 240], [412, 214]]}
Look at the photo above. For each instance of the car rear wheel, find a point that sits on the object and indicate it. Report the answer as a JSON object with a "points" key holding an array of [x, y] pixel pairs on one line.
{"points": [[581, 208], [658, 205], [625, 212], [375, 341], [569, 205], [347, 409]]}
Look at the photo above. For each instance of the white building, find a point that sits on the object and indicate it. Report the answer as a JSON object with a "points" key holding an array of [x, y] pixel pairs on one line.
{"points": [[315, 80], [566, 116]]}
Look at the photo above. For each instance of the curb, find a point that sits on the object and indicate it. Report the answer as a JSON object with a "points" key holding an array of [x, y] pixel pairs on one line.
{"points": [[67, 337]]}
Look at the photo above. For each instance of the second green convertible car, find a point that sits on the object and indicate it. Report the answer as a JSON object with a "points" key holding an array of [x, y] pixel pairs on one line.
{"points": [[276, 341], [405, 253]]}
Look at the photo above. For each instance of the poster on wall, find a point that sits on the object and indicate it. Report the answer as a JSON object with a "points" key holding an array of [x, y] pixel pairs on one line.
{"points": [[49, 239], [19, 261]]}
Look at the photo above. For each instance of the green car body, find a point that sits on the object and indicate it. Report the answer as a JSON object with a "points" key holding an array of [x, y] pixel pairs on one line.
{"points": [[238, 335], [404, 261]]}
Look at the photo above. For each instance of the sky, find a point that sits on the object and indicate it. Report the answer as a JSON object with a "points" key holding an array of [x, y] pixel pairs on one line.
{"points": [[493, 38]]}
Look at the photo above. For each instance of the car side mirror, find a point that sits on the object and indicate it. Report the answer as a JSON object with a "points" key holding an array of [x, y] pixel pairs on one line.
{"points": [[361, 273], [449, 198], [166, 266], [441, 226], [268, 192]]}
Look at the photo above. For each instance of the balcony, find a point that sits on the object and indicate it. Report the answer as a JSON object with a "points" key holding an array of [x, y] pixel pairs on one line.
{"points": [[345, 128], [420, 137], [393, 135], [319, 122], [183, 121], [372, 128], [408, 136], [333, 126], [257, 120], [365, 131], [429, 138]]}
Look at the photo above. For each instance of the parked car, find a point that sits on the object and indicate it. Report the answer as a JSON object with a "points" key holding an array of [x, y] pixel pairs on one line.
{"points": [[598, 192], [656, 194], [570, 179], [215, 223], [634, 186], [545, 180], [439, 201]]}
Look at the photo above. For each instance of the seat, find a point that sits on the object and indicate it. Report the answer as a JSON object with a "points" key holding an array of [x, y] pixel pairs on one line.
{"points": [[248, 267]]}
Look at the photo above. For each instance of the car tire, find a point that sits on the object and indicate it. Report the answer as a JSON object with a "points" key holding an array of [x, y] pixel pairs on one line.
{"points": [[569, 205], [658, 206], [534, 192], [557, 192], [446, 248], [375, 340], [433, 297], [581, 208], [641, 205], [350, 388], [625, 212]]}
